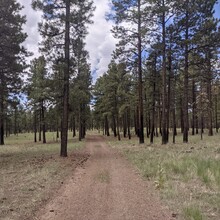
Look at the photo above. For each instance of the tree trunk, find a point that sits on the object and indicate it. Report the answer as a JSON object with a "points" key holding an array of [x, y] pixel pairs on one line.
{"points": [[209, 93], [140, 83], [1, 119], [80, 124], [193, 106], [74, 127], [186, 80], [128, 123], [40, 125], [114, 126], [170, 77], [15, 120], [35, 126], [125, 124], [216, 113], [65, 113], [43, 122], [118, 131], [106, 126], [153, 102], [164, 84]]}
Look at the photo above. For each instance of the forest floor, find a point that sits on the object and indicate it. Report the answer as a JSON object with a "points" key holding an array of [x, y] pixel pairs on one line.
{"points": [[105, 187]]}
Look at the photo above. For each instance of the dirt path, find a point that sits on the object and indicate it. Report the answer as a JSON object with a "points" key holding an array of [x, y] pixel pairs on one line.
{"points": [[105, 188]]}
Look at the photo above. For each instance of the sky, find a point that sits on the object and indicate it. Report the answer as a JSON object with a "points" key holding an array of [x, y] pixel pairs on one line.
{"points": [[100, 42]]}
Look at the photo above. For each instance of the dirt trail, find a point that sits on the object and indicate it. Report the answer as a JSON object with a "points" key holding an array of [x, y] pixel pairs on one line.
{"points": [[107, 187]]}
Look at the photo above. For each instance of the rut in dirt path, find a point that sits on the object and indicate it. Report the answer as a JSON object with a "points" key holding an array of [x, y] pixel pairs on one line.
{"points": [[106, 188]]}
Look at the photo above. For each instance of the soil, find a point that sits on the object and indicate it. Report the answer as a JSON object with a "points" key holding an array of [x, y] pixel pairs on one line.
{"points": [[104, 187]]}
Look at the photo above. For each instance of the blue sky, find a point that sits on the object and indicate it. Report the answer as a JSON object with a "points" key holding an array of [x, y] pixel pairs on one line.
{"points": [[217, 10]]}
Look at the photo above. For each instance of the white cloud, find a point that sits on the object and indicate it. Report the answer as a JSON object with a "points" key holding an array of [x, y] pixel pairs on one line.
{"points": [[100, 42], [31, 27]]}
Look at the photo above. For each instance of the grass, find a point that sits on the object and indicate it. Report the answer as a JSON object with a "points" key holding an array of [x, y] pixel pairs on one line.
{"points": [[187, 175], [192, 212], [30, 173]]}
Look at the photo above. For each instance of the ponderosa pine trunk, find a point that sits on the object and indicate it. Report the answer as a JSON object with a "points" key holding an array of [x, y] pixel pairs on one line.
{"points": [[216, 113], [153, 101], [74, 127], [106, 126], [15, 120], [140, 83], [114, 126], [186, 78], [43, 122], [35, 126], [128, 122], [118, 130], [209, 93], [40, 125], [193, 106], [164, 80], [80, 124], [1, 118], [125, 125], [65, 112]]}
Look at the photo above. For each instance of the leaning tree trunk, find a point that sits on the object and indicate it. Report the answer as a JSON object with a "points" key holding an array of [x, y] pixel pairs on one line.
{"points": [[65, 113]]}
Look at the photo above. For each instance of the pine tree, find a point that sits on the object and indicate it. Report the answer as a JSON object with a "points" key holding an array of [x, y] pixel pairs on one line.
{"points": [[11, 54], [63, 22]]}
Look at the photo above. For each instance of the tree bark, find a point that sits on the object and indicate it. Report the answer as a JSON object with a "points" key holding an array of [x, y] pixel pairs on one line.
{"points": [[140, 83], [186, 79], [164, 84], [35, 126], [216, 113], [106, 126], [153, 104], [209, 93], [43, 122], [40, 125], [65, 113], [1, 119], [193, 106], [128, 123], [2, 109]]}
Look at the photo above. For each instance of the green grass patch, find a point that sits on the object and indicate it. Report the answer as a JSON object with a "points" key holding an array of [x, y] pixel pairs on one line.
{"points": [[192, 213]]}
